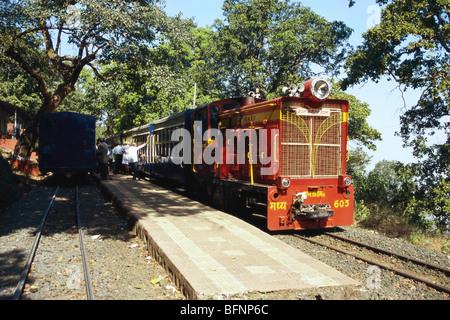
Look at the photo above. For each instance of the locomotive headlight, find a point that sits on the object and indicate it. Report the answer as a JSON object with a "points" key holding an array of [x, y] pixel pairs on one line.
{"points": [[344, 182], [285, 182], [320, 88], [317, 89], [347, 181]]}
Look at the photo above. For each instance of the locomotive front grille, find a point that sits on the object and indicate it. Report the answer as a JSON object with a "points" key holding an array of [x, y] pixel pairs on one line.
{"points": [[311, 141]]}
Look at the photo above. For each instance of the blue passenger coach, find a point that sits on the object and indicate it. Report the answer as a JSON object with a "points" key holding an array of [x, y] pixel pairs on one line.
{"points": [[157, 159], [161, 146]]}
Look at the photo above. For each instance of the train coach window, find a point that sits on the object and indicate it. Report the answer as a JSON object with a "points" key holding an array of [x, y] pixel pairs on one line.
{"points": [[203, 117]]}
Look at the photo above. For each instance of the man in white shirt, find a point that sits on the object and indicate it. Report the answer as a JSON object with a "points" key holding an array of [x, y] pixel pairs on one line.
{"points": [[117, 151], [133, 157]]}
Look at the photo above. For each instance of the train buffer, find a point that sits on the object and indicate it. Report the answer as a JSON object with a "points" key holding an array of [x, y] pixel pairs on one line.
{"points": [[212, 254]]}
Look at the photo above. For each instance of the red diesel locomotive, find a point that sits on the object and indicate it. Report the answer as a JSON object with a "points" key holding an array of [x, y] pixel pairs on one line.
{"points": [[292, 153], [284, 157]]}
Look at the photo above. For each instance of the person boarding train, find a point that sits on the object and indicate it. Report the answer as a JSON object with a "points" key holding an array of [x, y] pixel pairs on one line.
{"points": [[131, 152]]}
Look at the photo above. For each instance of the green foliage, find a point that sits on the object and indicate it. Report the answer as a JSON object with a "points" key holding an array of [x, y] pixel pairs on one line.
{"points": [[411, 45], [134, 93], [268, 43], [357, 161], [17, 86], [361, 211], [141, 82], [98, 30], [416, 237], [358, 129], [20, 91], [435, 203], [395, 191]]}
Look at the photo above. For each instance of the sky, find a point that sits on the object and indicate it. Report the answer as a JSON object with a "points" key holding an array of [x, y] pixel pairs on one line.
{"points": [[384, 98]]}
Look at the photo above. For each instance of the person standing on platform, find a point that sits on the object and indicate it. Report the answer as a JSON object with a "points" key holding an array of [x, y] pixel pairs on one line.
{"points": [[102, 159], [118, 153], [125, 165], [133, 157], [141, 166]]}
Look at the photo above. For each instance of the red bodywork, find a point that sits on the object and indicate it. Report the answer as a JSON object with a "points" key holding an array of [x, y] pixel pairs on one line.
{"points": [[305, 142]]}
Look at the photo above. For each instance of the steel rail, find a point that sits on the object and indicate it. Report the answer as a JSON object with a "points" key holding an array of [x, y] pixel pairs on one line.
{"points": [[24, 275], [376, 249], [26, 270], [399, 272], [83, 252]]}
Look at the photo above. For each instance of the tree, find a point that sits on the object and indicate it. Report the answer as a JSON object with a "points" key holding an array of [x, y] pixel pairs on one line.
{"points": [[99, 30], [16, 86], [411, 45], [143, 91], [359, 130], [270, 43]]}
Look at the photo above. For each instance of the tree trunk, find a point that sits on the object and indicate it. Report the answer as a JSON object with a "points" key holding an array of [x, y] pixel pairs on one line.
{"points": [[70, 74], [27, 140]]}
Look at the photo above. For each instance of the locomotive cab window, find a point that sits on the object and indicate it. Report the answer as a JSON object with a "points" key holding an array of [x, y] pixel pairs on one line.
{"points": [[231, 105], [214, 117]]}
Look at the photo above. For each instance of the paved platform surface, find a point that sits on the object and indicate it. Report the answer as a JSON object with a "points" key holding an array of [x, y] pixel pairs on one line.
{"points": [[213, 254]]}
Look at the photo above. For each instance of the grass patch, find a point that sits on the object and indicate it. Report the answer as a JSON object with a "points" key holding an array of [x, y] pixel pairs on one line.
{"points": [[390, 224]]}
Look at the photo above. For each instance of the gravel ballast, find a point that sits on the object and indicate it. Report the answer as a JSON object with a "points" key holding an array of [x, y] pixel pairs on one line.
{"points": [[119, 264], [121, 267]]}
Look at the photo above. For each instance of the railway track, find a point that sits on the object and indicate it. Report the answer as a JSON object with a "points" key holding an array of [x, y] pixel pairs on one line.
{"points": [[439, 280], [62, 211], [431, 275]]}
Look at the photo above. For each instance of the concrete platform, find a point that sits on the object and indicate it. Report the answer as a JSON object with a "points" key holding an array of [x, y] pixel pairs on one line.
{"points": [[212, 254]]}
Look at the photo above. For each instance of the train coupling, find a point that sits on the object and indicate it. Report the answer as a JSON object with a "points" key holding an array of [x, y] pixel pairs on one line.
{"points": [[311, 211]]}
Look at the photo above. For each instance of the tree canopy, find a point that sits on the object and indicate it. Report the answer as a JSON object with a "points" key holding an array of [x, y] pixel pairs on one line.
{"points": [[98, 31], [411, 46], [269, 43]]}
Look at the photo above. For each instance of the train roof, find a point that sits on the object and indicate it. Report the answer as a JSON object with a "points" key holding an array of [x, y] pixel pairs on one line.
{"points": [[66, 115], [172, 120], [144, 127]]}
